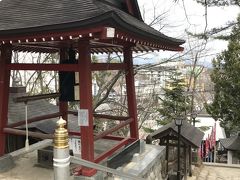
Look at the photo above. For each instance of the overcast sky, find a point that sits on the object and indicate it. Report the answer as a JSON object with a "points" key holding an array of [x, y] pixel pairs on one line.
{"points": [[177, 18]]}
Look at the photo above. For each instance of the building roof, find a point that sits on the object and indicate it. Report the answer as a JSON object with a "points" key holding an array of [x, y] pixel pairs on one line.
{"points": [[29, 18], [232, 143], [36, 108], [189, 134]]}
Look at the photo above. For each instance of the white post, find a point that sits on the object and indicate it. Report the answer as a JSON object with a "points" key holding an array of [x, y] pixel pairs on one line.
{"points": [[229, 157], [61, 157]]}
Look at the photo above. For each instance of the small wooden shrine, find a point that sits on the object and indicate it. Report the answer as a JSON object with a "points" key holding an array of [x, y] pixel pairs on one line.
{"points": [[190, 137], [232, 146]]}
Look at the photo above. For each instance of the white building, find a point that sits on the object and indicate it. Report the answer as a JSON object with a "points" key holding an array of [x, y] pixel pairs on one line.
{"points": [[203, 121]]}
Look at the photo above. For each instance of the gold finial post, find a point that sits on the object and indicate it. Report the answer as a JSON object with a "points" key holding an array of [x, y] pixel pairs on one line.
{"points": [[61, 135], [61, 157]]}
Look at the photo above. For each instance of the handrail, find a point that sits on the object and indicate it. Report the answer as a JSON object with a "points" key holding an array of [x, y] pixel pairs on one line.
{"points": [[30, 133], [113, 129], [35, 119], [104, 116], [35, 97], [99, 167]]}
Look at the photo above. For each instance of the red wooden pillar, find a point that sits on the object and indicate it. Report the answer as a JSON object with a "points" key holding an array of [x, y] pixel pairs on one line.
{"points": [[85, 91], [63, 106], [130, 87], [5, 58]]}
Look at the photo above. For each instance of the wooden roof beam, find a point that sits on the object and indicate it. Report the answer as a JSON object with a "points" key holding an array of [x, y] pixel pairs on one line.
{"points": [[97, 32]]}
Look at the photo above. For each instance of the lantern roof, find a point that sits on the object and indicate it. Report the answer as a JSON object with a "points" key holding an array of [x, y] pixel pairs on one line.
{"points": [[232, 143], [189, 134]]}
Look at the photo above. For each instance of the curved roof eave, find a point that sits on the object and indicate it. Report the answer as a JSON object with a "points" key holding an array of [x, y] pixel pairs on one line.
{"points": [[145, 34], [110, 18], [106, 18]]}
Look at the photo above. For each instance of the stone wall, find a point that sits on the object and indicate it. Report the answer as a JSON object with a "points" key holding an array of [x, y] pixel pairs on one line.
{"points": [[149, 164]]}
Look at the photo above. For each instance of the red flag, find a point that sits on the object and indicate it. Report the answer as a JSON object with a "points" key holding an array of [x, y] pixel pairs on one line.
{"points": [[200, 151], [207, 146], [210, 141], [214, 134]]}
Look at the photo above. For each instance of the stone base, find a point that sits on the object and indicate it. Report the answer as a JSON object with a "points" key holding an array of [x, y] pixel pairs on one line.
{"points": [[98, 176], [6, 163], [149, 164]]}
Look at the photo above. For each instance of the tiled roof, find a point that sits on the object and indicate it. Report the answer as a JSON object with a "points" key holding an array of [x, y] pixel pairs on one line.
{"points": [[17, 14], [28, 16], [232, 143], [189, 133], [16, 113]]}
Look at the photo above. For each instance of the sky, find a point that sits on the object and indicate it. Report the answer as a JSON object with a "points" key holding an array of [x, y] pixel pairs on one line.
{"points": [[176, 18]]}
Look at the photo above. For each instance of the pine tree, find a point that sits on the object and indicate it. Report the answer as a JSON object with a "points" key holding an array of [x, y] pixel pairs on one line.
{"points": [[175, 102], [226, 68]]}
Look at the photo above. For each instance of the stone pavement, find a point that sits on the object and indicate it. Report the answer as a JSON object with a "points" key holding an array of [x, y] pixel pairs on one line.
{"points": [[214, 171], [26, 169]]}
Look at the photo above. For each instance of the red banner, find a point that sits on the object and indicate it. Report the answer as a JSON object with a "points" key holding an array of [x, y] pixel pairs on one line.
{"points": [[207, 146], [214, 135]]}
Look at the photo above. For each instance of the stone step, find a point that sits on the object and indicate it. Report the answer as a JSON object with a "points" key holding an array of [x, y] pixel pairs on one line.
{"points": [[192, 178], [203, 175], [212, 176]]}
